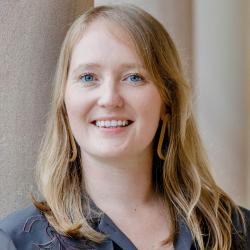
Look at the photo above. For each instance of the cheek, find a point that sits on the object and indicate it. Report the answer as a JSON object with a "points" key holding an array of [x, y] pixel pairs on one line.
{"points": [[77, 105], [150, 107], [148, 111]]}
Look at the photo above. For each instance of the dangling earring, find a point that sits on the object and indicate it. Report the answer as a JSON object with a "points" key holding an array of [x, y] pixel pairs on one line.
{"points": [[71, 140], [162, 134], [73, 146]]}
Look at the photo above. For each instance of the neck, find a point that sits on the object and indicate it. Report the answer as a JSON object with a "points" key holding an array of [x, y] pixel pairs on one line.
{"points": [[119, 184]]}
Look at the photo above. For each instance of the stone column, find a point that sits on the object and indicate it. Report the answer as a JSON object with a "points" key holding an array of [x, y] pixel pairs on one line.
{"points": [[248, 106], [31, 33], [220, 76]]}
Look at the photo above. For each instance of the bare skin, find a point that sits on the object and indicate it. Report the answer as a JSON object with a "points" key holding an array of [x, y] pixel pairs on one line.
{"points": [[131, 203]]}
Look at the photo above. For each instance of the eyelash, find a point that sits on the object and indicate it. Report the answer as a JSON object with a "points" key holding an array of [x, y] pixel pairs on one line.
{"points": [[86, 74], [142, 79]]}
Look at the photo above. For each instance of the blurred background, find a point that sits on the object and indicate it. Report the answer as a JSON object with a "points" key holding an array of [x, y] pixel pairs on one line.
{"points": [[213, 39]]}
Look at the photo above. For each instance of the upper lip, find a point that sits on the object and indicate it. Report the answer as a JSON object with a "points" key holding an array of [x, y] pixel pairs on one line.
{"points": [[110, 118]]}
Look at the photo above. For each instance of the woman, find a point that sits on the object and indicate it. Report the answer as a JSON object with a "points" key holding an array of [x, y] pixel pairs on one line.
{"points": [[121, 163]]}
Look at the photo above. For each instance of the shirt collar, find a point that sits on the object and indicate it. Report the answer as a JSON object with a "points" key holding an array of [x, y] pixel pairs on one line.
{"points": [[184, 239], [108, 227]]}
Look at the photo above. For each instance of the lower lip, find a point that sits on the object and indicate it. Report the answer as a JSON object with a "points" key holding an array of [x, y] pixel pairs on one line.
{"points": [[112, 130]]}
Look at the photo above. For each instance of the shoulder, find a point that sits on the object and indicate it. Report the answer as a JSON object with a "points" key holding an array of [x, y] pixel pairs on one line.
{"points": [[6, 242], [246, 215], [17, 220], [25, 229], [29, 229], [241, 238]]}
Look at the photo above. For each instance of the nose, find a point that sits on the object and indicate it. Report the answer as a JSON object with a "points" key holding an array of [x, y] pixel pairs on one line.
{"points": [[110, 96]]}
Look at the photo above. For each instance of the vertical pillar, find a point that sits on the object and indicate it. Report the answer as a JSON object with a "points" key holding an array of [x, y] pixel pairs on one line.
{"points": [[248, 106], [30, 38], [220, 77]]}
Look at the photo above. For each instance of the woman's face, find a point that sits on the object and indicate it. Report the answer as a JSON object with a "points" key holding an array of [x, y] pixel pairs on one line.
{"points": [[113, 106]]}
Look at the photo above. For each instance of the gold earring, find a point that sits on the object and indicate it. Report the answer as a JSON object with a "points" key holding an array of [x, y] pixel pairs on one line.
{"points": [[162, 134], [70, 135], [71, 141], [73, 146]]}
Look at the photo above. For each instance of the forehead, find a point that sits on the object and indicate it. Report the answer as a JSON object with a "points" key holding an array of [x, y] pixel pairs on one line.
{"points": [[103, 40]]}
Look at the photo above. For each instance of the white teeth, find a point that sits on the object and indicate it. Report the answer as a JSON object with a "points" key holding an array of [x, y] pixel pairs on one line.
{"points": [[124, 123], [112, 123], [107, 124]]}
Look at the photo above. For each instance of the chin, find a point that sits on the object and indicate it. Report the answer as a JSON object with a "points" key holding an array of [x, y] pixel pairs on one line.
{"points": [[111, 153]]}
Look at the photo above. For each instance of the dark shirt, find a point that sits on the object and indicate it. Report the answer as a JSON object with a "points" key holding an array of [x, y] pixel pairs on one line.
{"points": [[29, 229]]}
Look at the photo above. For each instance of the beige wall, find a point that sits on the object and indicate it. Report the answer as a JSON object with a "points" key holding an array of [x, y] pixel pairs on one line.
{"points": [[220, 74], [248, 106], [31, 33]]}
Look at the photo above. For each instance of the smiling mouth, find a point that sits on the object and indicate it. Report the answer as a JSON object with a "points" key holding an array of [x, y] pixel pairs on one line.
{"points": [[112, 123]]}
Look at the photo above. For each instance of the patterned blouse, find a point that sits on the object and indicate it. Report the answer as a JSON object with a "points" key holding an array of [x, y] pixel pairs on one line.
{"points": [[28, 229]]}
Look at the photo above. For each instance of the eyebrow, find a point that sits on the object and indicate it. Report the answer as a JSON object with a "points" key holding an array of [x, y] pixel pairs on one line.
{"points": [[85, 66], [89, 66]]}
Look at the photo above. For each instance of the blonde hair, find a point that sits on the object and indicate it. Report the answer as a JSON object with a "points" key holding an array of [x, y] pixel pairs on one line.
{"points": [[183, 178]]}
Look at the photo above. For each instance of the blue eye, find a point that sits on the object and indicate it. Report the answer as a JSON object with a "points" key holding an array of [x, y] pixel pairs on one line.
{"points": [[135, 78], [87, 77]]}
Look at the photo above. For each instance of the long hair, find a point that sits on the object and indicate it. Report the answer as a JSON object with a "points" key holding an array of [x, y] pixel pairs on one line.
{"points": [[183, 179]]}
